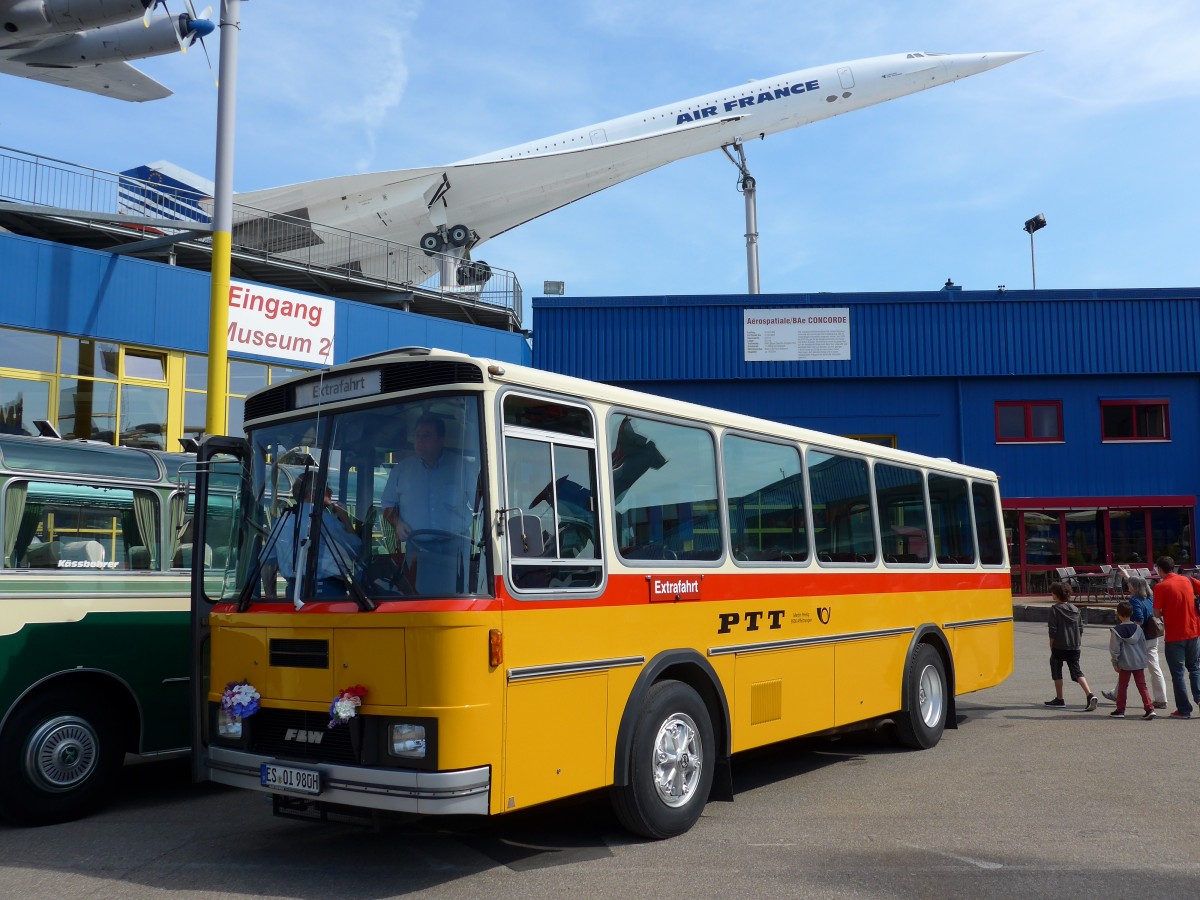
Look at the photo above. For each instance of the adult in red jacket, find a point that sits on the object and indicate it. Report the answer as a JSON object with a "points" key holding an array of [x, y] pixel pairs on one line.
{"points": [[1174, 600]]}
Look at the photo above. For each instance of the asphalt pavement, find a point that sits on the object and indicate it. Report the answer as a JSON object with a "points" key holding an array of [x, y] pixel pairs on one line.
{"points": [[1021, 800]]}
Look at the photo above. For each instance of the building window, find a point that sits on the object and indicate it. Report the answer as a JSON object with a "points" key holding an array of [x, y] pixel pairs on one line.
{"points": [[1135, 420], [1030, 421]]}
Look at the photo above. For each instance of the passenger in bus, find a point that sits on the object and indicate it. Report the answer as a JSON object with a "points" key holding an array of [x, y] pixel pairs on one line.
{"points": [[337, 550], [428, 501]]}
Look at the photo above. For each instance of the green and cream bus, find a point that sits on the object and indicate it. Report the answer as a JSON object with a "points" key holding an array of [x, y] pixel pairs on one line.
{"points": [[93, 619]]}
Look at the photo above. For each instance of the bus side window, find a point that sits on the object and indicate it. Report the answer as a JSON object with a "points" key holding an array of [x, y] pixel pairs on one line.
{"points": [[841, 494], [81, 526], [765, 489], [953, 536], [665, 490], [987, 524], [904, 519], [552, 520]]}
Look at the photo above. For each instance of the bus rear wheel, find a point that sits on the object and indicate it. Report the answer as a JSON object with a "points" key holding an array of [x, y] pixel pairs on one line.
{"points": [[60, 756], [921, 723], [672, 755]]}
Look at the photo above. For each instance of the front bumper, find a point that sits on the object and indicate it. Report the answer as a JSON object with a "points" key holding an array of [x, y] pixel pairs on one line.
{"points": [[462, 792]]}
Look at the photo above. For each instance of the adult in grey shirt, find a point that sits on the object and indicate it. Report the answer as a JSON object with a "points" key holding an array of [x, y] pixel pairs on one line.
{"points": [[432, 491]]}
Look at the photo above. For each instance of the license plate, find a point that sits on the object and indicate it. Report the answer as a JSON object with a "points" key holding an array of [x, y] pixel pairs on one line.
{"points": [[289, 778]]}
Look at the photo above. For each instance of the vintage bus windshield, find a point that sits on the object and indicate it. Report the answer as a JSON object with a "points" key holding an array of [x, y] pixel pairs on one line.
{"points": [[401, 514]]}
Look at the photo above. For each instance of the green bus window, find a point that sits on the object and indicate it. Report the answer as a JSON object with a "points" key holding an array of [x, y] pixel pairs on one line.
{"points": [[51, 525]]}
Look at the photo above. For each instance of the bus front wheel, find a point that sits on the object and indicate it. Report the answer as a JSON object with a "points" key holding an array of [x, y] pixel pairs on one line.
{"points": [[671, 763], [60, 756], [923, 718]]}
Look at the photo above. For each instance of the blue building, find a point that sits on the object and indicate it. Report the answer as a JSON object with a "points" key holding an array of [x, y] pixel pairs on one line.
{"points": [[1086, 402]]}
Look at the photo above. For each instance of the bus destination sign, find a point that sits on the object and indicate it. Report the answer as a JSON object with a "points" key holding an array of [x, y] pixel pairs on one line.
{"points": [[338, 387]]}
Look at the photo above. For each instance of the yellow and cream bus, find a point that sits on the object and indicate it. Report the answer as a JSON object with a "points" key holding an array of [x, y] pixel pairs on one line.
{"points": [[548, 586], [94, 605]]}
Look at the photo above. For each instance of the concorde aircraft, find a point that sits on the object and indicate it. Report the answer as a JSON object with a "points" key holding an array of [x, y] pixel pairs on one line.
{"points": [[457, 207], [86, 44]]}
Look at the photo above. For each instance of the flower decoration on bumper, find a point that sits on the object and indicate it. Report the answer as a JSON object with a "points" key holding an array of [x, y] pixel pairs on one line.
{"points": [[240, 699], [345, 705]]}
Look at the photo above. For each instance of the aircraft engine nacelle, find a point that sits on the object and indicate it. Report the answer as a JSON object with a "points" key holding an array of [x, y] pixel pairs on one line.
{"points": [[38, 18], [127, 41]]}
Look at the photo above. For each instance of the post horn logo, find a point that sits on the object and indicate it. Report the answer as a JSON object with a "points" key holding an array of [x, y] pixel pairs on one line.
{"points": [[823, 614]]}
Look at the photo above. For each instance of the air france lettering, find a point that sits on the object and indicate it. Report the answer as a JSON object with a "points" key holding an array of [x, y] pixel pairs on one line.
{"points": [[753, 620], [704, 112]]}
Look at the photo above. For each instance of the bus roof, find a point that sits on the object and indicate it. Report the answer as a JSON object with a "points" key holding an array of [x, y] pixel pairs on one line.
{"points": [[276, 402], [22, 453]]}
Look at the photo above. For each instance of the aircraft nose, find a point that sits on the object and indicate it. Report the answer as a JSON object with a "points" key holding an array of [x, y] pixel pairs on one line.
{"points": [[996, 60], [962, 65]]}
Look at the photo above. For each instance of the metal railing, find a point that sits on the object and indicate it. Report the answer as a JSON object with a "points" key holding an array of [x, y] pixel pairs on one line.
{"points": [[294, 243]]}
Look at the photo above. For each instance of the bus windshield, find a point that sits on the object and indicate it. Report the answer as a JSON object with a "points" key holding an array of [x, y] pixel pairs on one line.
{"points": [[370, 504]]}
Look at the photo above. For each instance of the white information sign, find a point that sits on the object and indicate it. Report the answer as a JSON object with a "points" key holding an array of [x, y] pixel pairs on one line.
{"points": [[269, 321], [772, 335]]}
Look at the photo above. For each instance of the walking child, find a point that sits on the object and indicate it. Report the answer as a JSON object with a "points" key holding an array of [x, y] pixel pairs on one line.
{"points": [[1066, 637], [1127, 647]]}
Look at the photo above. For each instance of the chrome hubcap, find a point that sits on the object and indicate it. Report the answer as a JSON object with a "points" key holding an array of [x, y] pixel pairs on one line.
{"points": [[678, 760], [931, 696], [61, 754]]}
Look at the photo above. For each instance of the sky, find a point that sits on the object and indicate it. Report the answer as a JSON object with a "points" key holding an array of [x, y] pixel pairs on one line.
{"points": [[1099, 131]]}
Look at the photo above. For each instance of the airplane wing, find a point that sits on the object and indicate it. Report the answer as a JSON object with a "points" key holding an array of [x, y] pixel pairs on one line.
{"points": [[490, 196], [111, 79]]}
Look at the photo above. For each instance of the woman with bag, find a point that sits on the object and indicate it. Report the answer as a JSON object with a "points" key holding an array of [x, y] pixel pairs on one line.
{"points": [[1142, 602]]}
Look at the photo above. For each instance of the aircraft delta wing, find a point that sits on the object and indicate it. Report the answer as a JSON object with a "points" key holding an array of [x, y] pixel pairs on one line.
{"points": [[457, 207], [493, 195], [87, 44]]}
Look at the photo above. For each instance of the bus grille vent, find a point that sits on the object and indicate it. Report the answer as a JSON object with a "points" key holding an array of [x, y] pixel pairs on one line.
{"points": [[287, 653], [413, 375], [268, 403], [766, 702], [297, 734]]}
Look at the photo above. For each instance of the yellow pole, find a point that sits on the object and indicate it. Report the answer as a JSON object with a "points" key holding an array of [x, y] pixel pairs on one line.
{"points": [[216, 419]]}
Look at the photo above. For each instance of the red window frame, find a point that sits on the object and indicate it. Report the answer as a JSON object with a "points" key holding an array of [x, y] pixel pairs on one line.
{"points": [[1028, 406], [1134, 404]]}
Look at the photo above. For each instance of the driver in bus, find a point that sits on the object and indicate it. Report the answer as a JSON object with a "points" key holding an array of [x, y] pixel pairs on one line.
{"points": [[338, 547], [427, 500]]}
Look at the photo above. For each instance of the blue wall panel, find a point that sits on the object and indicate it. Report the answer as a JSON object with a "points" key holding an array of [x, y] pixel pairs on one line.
{"points": [[926, 334], [927, 367], [53, 287]]}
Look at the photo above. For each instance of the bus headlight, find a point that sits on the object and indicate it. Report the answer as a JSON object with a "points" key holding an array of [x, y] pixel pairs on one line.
{"points": [[406, 740], [229, 725]]}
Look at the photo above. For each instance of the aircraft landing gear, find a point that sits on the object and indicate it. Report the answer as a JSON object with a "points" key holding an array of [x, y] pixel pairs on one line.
{"points": [[458, 235], [431, 243], [455, 236]]}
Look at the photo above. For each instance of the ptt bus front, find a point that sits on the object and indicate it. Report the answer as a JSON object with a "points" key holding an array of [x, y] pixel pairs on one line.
{"points": [[349, 649]]}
